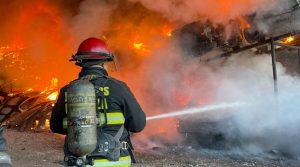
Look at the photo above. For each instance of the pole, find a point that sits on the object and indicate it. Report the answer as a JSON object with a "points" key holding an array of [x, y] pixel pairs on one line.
{"points": [[274, 65], [299, 59]]}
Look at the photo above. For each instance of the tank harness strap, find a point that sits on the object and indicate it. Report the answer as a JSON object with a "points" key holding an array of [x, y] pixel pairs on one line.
{"points": [[119, 133], [94, 77]]}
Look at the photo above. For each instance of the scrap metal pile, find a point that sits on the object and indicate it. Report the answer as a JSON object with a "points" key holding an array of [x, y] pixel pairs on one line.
{"points": [[29, 110]]}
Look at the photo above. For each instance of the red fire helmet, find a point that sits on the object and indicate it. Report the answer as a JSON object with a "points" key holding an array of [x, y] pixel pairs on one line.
{"points": [[92, 49]]}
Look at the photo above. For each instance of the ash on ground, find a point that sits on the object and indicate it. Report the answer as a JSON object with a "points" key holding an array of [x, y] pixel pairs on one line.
{"points": [[29, 149]]}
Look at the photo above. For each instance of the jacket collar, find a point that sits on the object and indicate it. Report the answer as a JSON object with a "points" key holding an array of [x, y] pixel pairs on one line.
{"points": [[92, 71]]}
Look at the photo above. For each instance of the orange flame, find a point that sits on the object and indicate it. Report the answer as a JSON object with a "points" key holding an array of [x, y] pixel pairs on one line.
{"points": [[167, 30], [289, 39], [54, 82], [141, 47], [47, 124], [53, 96], [138, 45], [243, 26], [29, 89]]}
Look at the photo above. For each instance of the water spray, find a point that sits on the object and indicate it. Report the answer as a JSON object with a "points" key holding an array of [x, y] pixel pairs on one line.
{"points": [[195, 110]]}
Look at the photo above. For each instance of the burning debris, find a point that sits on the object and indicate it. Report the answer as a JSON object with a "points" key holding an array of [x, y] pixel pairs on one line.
{"points": [[28, 110]]}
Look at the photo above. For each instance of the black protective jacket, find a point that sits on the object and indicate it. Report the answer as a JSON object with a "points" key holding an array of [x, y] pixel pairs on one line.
{"points": [[120, 99]]}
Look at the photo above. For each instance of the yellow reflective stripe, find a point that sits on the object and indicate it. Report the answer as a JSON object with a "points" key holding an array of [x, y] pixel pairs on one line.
{"points": [[66, 105], [112, 118], [122, 162], [66, 108], [82, 104], [105, 103], [65, 123], [66, 96], [102, 103]]}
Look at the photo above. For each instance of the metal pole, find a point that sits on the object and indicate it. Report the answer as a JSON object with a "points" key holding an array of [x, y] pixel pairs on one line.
{"points": [[299, 59], [274, 65]]}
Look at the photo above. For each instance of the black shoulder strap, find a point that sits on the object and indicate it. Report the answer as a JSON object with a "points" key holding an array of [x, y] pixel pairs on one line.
{"points": [[119, 133]]}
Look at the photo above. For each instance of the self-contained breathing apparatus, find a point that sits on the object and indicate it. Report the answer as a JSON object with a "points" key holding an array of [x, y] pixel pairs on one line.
{"points": [[84, 122]]}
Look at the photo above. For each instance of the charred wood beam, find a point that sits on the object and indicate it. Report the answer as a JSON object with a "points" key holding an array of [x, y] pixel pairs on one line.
{"points": [[276, 38], [286, 45], [261, 43]]}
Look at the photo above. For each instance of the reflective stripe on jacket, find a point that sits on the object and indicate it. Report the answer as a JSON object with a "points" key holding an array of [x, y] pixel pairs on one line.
{"points": [[113, 118], [123, 162]]}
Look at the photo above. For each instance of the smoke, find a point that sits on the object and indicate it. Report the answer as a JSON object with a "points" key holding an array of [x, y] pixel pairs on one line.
{"points": [[218, 11], [269, 122], [92, 19], [285, 17]]}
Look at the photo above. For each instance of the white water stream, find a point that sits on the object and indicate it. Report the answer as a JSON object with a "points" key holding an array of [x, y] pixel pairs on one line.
{"points": [[195, 110]]}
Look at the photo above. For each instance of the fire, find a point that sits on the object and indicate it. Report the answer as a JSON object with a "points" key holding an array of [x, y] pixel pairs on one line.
{"points": [[167, 30], [244, 25], [53, 96], [289, 39], [36, 123], [47, 124], [138, 45], [29, 89], [54, 83]]}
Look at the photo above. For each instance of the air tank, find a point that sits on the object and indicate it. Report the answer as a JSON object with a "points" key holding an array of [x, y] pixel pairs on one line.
{"points": [[82, 118]]}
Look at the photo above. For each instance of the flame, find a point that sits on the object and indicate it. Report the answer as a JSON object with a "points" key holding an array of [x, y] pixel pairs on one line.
{"points": [[47, 124], [167, 30], [36, 123], [243, 23], [140, 47], [289, 39], [54, 83], [53, 96], [29, 89]]}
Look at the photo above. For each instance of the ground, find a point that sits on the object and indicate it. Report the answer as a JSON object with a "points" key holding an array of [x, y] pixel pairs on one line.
{"points": [[28, 149]]}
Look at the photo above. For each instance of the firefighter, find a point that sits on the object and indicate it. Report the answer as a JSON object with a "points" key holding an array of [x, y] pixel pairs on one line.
{"points": [[117, 108]]}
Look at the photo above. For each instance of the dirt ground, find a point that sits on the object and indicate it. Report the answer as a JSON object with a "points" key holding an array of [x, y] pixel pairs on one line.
{"points": [[28, 149]]}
